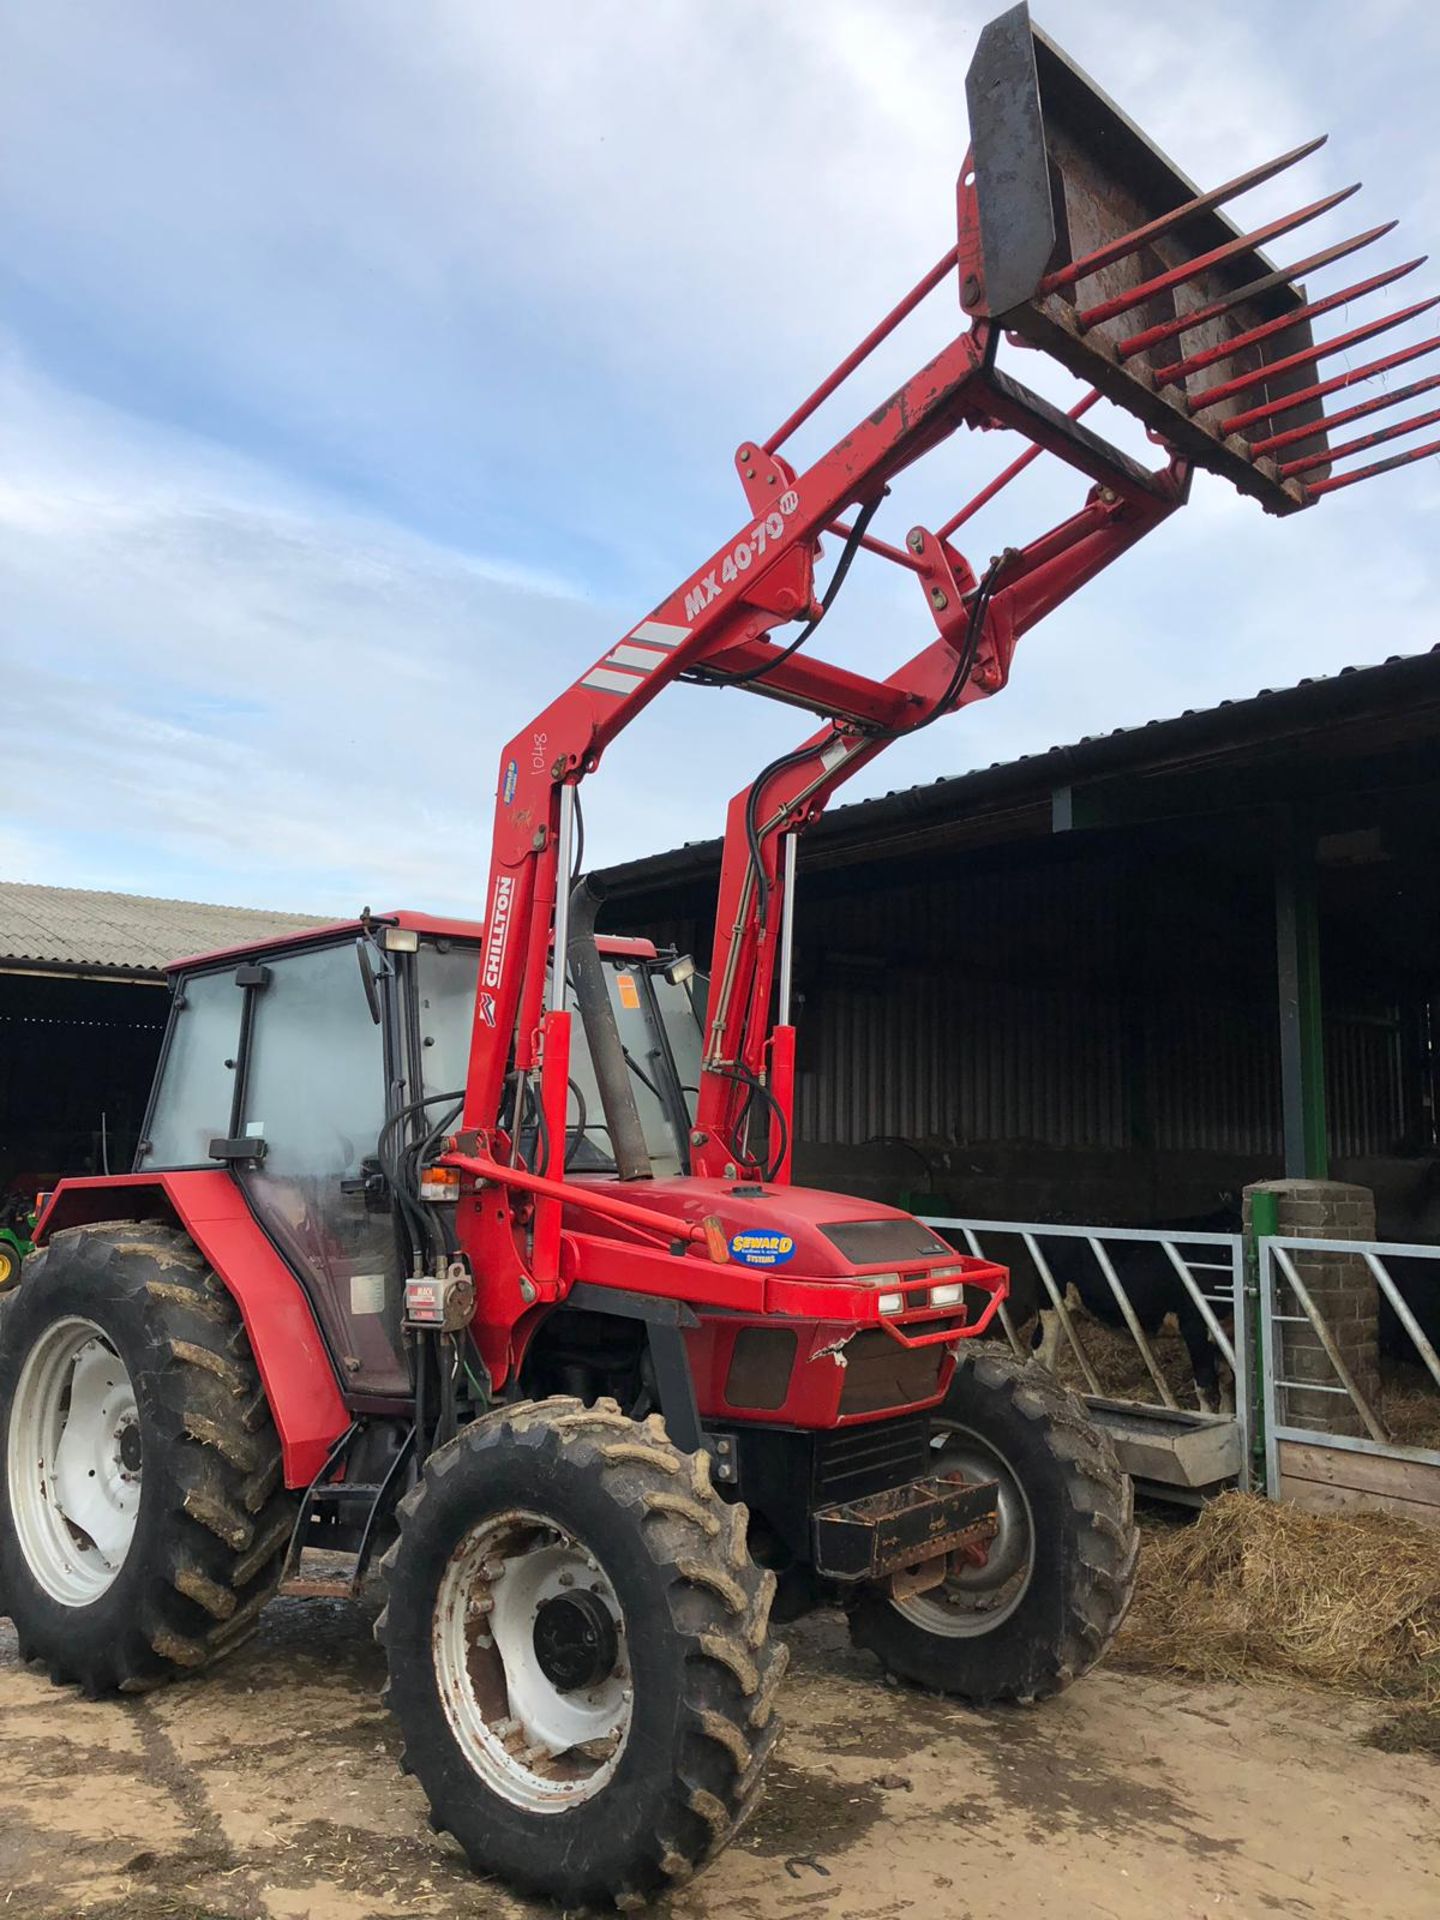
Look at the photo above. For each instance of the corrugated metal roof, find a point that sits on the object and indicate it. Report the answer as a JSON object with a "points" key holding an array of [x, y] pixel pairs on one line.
{"points": [[64, 927], [1406, 684]]}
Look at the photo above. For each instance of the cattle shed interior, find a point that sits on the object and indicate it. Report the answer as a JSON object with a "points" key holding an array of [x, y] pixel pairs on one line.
{"points": [[1115, 982], [82, 1011]]}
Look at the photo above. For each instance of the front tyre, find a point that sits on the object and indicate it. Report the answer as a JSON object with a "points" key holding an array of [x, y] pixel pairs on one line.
{"points": [[143, 1524], [578, 1654], [1048, 1601]]}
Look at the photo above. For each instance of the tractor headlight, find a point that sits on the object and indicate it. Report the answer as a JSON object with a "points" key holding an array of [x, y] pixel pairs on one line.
{"points": [[891, 1302], [947, 1296]]}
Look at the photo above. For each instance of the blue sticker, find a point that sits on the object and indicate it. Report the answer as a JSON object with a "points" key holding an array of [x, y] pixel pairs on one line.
{"points": [[510, 782], [762, 1247]]}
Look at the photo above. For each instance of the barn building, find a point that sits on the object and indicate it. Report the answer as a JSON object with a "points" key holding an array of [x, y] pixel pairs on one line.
{"points": [[1116, 981], [82, 1011]]}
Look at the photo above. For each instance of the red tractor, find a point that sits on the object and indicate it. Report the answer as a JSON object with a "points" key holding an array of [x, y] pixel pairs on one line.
{"points": [[415, 1265]]}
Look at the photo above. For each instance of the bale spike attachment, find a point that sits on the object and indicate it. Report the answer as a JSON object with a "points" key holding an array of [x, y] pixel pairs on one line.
{"points": [[1078, 235]]}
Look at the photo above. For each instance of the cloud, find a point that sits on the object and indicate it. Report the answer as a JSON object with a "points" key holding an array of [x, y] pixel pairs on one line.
{"points": [[372, 368], [237, 679]]}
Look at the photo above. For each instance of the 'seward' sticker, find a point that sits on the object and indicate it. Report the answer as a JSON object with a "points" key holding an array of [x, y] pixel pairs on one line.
{"points": [[761, 1248]]}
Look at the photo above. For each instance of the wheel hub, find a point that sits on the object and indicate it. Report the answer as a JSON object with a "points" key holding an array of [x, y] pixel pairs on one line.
{"points": [[575, 1640], [75, 1455], [533, 1663], [980, 1590]]}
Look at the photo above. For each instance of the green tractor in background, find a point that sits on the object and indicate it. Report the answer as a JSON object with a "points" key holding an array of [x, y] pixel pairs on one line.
{"points": [[17, 1221]]}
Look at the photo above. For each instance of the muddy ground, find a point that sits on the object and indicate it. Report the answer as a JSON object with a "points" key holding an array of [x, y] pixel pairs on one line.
{"points": [[269, 1792]]}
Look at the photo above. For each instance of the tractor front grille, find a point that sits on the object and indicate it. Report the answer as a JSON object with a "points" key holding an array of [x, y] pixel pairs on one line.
{"points": [[851, 1462], [879, 1372]]}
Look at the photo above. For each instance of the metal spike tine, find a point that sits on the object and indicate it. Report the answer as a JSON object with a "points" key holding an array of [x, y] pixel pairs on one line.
{"points": [[1369, 473], [1360, 411], [1361, 445], [1239, 421], [1227, 349], [1202, 203], [1282, 276], [1308, 356], [1242, 243]]}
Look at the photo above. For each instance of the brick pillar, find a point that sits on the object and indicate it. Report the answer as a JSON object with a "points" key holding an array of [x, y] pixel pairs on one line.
{"points": [[1345, 1296]]}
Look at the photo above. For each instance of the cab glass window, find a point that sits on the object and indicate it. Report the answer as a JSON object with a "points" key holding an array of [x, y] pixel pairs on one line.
{"points": [[445, 995], [197, 1080], [315, 1095]]}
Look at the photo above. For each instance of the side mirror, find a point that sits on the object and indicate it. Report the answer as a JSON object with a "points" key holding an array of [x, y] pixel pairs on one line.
{"points": [[375, 966]]}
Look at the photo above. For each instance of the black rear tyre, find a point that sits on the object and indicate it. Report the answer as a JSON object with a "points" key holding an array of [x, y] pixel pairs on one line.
{"points": [[1049, 1602], [560, 1561], [195, 1539]]}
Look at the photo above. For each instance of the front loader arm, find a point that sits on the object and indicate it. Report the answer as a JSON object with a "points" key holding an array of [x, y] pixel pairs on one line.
{"points": [[757, 580], [742, 1048], [1075, 236]]}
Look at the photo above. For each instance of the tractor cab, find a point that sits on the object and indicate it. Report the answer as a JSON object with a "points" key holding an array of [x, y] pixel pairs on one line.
{"points": [[322, 1069]]}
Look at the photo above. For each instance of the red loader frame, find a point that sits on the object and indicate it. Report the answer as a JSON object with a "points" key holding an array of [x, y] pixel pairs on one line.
{"points": [[1061, 200]]}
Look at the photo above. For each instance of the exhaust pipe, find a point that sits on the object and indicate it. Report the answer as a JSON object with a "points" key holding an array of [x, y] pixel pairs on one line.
{"points": [[602, 1034]]}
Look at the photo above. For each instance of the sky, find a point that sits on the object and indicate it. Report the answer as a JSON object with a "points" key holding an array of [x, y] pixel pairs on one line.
{"points": [[367, 367]]}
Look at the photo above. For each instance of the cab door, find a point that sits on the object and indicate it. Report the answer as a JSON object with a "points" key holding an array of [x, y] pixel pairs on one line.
{"points": [[315, 1097]]}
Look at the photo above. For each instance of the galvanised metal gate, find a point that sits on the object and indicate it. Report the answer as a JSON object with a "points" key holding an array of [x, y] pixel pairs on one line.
{"points": [[1132, 1279], [1312, 1388]]}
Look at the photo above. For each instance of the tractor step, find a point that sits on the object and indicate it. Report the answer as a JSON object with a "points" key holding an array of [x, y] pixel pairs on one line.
{"points": [[329, 1575], [302, 1588]]}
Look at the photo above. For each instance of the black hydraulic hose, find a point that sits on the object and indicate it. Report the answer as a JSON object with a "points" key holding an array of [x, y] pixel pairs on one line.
{"points": [[837, 580], [965, 665], [602, 1034], [415, 1157], [578, 1131], [752, 820], [542, 1128], [407, 1199], [756, 1089], [578, 858]]}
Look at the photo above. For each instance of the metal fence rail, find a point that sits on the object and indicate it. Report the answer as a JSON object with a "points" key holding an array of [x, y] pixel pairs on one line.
{"points": [[1279, 1272], [1258, 1333], [1204, 1269]]}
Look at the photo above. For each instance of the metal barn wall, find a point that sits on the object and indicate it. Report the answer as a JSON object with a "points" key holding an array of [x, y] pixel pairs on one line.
{"points": [[1098, 996]]}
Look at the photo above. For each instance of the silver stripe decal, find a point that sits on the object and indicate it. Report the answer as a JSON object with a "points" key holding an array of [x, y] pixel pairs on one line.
{"points": [[659, 634], [645, 658], [606, 680]]}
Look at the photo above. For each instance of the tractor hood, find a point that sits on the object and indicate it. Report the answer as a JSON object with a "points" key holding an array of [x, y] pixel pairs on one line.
{"points": [[807, 1231]]}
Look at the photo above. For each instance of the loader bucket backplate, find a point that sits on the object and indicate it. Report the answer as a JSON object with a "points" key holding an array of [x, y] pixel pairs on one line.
{"points": [[1081, 237]]}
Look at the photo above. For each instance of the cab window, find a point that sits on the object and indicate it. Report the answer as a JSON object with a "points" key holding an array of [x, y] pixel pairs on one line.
{"points": [[196, 1086]]}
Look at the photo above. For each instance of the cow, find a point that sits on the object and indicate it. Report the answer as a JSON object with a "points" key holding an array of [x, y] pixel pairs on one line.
{"points": [[1412, 1218]]}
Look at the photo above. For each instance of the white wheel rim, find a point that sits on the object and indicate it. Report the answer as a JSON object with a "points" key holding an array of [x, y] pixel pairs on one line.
{"points": [[975, 1600], [74, 1462], [541, 1746]]}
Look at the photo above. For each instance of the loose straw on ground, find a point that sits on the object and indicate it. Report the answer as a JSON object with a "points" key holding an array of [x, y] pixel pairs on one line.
{"points": [[1254, 1588]]}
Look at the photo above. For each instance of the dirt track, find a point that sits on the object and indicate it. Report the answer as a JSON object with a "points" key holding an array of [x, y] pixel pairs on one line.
{"points": [[269, 1792]]}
